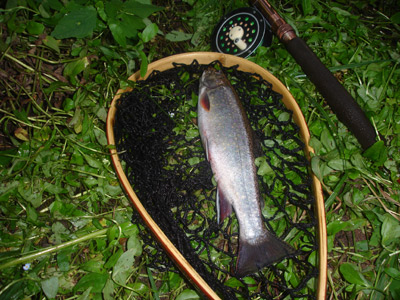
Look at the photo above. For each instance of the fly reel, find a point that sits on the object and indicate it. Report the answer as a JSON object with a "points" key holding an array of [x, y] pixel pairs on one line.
{"points": [[241, 32]]}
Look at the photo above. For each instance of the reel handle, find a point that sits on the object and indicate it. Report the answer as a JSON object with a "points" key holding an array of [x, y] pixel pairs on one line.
{"points": [[337, 97]]}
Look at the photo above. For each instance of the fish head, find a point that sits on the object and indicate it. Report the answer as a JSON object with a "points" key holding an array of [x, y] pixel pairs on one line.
{"points": [[211, 79]]}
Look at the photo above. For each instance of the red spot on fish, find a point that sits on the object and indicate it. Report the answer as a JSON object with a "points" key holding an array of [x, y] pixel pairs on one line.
{"points": [[205, 102]]}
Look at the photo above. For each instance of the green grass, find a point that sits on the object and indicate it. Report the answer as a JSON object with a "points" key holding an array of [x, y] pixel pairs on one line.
{"points": [[64, 217]]}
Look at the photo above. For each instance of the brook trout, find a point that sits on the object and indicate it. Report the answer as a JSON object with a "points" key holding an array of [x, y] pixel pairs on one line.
{"points": [[227, 138]]}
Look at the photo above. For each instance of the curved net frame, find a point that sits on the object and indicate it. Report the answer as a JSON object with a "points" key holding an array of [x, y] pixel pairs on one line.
{"points": [[157, 138]]}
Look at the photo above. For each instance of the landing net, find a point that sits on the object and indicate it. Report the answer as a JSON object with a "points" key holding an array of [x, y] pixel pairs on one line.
{"points": [[158, 141]]}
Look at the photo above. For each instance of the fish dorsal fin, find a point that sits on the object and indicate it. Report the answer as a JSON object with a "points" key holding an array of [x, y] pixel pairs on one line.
{"points": [[224, 208], [257, 145]]}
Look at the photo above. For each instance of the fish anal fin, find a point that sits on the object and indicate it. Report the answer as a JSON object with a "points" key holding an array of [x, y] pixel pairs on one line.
{"points": [[224, 208], [253, 257]]}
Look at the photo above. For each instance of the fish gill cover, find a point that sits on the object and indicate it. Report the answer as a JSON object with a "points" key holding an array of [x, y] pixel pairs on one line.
{"points": [[157, 137]]}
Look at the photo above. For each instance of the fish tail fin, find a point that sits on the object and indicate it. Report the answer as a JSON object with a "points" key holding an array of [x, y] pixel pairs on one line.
{"points": [[252, 257]]}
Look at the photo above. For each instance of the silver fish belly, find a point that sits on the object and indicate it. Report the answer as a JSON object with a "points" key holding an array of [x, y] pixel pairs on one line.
{"points": [[226, 135]]}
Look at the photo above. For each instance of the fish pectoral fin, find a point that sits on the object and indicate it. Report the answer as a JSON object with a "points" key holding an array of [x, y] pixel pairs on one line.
{"points": [[204, 100], [253, 257], [207, 151], [224, 208]]}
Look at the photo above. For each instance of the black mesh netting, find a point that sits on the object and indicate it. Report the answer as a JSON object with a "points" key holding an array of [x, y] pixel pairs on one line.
{"points": [[157, 137]]}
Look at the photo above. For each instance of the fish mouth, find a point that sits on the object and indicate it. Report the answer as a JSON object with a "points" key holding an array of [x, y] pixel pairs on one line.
{"points": [[212, 78]]}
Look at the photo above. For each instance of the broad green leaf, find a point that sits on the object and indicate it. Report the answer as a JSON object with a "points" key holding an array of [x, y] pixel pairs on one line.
{"points": [[8, 188], [131, 24], [112, 190], [263, 167], [85, 295], [54, 86], [43, 12], [171, 281], [77, 158], [392, 272], [52, 43], [377, 153], [14, 24], [193, 160], [188, 295], [32, 194], [101, 11], [390, 230], [178, 36], [113, 233], [112, 8], [316, 127], [113, 259], [340, 11], [129, 229], [96, 281], [118, 34], [352, 275], [94, 163], [336, 226], [313, 19], [53, 188], [68, 104], [90, 181], [109, 52], [31, 214], [395, 289], [327, 140], [54, 4], [315, 166], [59, 228], [140, 9], [94, 265], [35, 27], [396, 18], [233, 282], [108, 290], [76, 121], [74, 68], [78, 23], [50, 287], [357, 196], [337, 164], [134, 245], [139, 288], [100, 136], [191, 134], [63, 260], [123, 266], [149, 32]]}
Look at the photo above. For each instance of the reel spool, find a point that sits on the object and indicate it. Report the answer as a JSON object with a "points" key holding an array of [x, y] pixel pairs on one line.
{"points": [[241, 32]]}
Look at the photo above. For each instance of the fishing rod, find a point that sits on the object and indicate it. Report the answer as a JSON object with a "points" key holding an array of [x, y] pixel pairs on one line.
{"points": [[243, 30]]}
